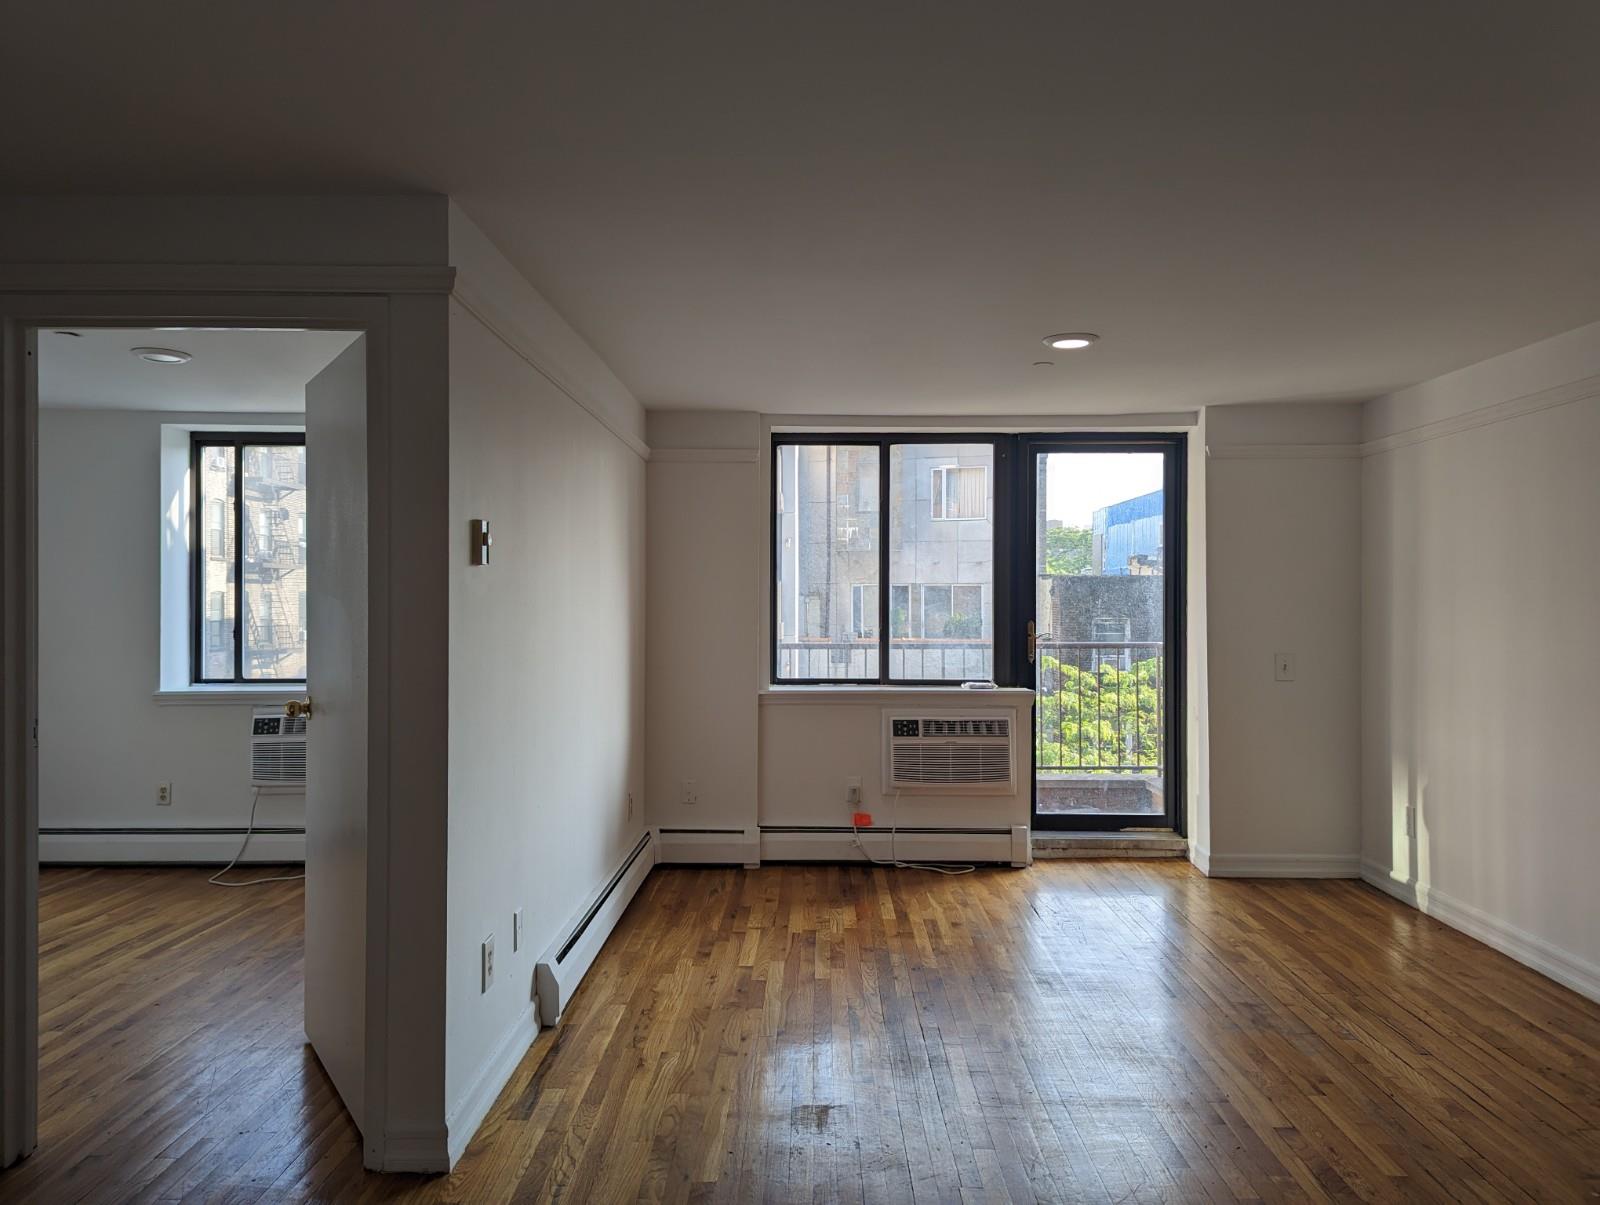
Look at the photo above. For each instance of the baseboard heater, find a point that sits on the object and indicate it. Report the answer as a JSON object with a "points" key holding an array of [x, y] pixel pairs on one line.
{"points": [[174, 845], [557, 974], [1010, 846], [708, 846]]}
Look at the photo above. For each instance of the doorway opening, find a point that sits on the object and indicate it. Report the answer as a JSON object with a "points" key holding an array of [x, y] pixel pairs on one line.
{"points": [[1104, 630], [193, 487]]}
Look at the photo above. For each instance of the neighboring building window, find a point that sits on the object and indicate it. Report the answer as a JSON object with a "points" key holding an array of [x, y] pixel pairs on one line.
{"points": [[250, 557], [833, 553], [960, 491], [1114, 632]]}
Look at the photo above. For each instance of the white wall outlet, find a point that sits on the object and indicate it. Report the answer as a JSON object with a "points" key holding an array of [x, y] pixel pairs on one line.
{"points": [[516, 930], [691, 792], [630, 805], [852, 790], [1411, 820], [1283, 667], [163, 794], [488, 963]]}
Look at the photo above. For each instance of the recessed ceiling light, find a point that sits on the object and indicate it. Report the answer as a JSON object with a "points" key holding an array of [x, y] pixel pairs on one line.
{"points": [[71, 334], [1071, 341], [1044, 363], [162, 355]]}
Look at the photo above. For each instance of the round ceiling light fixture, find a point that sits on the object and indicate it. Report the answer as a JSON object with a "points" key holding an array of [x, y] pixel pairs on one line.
{"points": [[1071, 341], [162, 355]]}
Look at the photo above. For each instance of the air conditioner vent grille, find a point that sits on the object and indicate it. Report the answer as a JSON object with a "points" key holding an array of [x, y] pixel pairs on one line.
{"points": [[277, 751], [966, 726], [968, 754]]}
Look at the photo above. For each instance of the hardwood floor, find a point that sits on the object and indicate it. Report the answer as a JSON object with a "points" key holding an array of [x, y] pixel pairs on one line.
{"points": [[1079, 1031]]}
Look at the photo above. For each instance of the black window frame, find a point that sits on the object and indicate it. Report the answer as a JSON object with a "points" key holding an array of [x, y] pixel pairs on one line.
{"points": [[238, 441], [1001, 521]]}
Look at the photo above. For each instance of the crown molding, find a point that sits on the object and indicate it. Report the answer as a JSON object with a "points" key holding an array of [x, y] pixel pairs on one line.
{"points": [[1517, 407], [224, 278], [1283, 451]]}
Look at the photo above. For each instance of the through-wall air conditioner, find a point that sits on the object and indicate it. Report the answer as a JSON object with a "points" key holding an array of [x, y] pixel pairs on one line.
{"points": [[957, 753], [277, 750]]}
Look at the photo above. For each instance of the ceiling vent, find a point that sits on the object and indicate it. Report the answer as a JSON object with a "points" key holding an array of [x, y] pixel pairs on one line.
{"points": [[277, 751], [952, 754]]}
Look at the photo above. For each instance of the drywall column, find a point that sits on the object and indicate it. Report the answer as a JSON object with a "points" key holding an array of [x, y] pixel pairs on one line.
{"points": [[1283, 577]]}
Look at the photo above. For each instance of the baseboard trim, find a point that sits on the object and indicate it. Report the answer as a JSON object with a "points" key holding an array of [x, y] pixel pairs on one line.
{"points": [[562, 967], [1282, 866], [464, 1118], [708, 846], [921, 845], [424, 1149], [193, 847], [1549, 960]]}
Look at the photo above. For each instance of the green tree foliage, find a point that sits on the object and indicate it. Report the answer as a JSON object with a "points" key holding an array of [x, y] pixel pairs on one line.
{"points": [[1066, 550], [1097, 717]]}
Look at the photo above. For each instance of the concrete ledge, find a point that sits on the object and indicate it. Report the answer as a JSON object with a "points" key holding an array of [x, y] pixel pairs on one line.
{"points": [[1109, 845]]}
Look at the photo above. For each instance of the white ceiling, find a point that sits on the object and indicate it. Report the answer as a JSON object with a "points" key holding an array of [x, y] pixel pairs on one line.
{"points": [[882, 207], [232, 371]]}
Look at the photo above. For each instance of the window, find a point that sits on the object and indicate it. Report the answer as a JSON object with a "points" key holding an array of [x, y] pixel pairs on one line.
{"points": [[826, 561], [960, 491], [832, 556], [1114, 632], [249, 557]]}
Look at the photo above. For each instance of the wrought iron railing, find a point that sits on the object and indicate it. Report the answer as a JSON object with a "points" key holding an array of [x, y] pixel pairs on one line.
{"points": [[909, 660], [1100, 707]]}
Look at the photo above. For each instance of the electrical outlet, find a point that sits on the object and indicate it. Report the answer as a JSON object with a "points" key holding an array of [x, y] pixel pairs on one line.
{"points": [[1411, 821], [1283, 667], [488, 963], [630, 805], [516, 930], [852, 790], [691, 793], [163, 794]]}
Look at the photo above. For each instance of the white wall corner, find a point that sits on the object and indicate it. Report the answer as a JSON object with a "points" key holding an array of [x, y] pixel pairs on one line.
{"points": [[1200, 858], [1566, 968]]}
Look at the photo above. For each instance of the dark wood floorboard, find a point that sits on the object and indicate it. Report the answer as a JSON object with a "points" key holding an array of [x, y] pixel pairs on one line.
{"points": [[1083, 1031]]}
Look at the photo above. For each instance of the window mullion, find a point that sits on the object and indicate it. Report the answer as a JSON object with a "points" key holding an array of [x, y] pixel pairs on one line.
{"points": [[238, 560], [884, 523]]}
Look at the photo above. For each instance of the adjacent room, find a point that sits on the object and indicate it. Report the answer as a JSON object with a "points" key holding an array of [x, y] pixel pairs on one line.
{"points": [[787, 604]]}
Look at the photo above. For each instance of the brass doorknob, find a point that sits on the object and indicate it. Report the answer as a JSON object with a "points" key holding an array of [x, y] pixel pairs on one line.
{"points": [[295, 708]]}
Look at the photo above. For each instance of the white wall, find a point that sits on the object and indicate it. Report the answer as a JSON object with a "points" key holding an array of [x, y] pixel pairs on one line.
{"points": [[1481, 572], [545, 719], [105, 740], [1283, 538], [704, 538]]}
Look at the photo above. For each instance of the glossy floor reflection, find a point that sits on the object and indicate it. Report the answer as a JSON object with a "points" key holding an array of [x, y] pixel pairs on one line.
{"points": [[1078, 1031]]}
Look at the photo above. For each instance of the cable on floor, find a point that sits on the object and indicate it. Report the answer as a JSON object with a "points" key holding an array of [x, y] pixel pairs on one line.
{"points": [[250, 829], [895, 862]]}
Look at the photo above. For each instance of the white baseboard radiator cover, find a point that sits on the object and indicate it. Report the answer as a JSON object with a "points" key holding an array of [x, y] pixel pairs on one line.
{"points": [[562, 967], [1012, 846], [708, 846], [180, 846]]}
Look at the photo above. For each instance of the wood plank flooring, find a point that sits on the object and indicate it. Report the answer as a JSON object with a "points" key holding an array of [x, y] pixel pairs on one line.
{"points": [[1082, 1031]]}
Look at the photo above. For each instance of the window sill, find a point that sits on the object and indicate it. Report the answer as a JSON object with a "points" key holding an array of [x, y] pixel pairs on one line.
{"points": [[227, 696], [815, 695]]}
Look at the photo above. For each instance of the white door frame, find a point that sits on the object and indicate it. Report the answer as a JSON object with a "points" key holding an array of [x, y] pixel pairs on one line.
{"points": [[371, 300]]}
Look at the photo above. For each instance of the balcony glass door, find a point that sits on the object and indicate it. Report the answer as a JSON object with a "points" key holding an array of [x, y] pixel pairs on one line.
{"points": [[1103, 632]]}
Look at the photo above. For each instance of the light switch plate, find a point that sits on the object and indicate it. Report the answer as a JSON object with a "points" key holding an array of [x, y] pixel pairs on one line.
{"points": [[488, 963], [1283, 667]]}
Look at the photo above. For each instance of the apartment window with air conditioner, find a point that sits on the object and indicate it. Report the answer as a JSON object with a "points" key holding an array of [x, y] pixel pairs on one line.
{"points": [[249, 557]]}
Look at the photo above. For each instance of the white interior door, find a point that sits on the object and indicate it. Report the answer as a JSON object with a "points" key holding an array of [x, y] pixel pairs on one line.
{"points": [[336, 681]]}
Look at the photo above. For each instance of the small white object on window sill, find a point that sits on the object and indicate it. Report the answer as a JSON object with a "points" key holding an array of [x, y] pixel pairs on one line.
{"points": [[979, 686]]}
